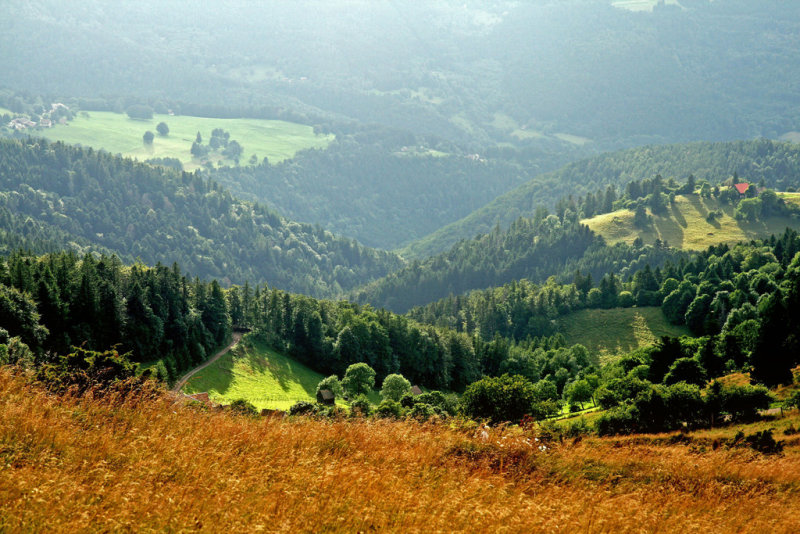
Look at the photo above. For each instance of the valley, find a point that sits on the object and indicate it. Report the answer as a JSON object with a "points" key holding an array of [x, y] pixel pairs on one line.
{"points": [[455, 266]]}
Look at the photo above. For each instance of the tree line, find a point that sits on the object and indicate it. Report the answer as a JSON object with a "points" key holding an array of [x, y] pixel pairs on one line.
{"points": [[57, 196]]}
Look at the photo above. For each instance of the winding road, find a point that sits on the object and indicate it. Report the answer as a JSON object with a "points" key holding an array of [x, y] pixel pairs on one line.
{"points": [[221, 352]]}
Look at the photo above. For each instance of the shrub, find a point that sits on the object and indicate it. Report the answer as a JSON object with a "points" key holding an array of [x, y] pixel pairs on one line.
{"points": [[764, 442], [359, 379], [618, 420], [389, 409], [422, 411], [504, 398], [331, 383], [85, 369], [243, 407], [625, 299], [394, 387], [140, 112], [303, 408], [360, 406]]}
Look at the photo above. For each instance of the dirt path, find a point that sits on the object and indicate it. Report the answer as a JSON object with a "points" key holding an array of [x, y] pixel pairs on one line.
{"points": [[185, 378]]}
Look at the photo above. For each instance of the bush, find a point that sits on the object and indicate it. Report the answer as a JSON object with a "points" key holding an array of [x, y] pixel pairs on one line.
{"points": [[85, 369], [422, 411], [504, 398], [625, 299], [578, 428], [764, 442], [360, 406], [389, 409], [394, 387], [741, 402], [243, 407], [619, 420], [359, 379], [303, 408], [140, 112], [332, 384]]}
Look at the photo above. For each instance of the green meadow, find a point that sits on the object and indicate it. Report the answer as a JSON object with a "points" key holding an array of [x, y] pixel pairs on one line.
{"points": [[119, 134], [617, 331], [684, 225], [256, 373]]}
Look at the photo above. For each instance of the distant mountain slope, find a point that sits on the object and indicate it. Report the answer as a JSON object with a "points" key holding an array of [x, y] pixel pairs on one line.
{"points": [[530, 249], [686, 225], [80, 198], [387, 189], [777, 164], [469, 71]]}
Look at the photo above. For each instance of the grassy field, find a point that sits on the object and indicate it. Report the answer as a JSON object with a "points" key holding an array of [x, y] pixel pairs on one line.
{"points": [[150, 464], [256, 373], [118, 134], [684, 225], [618, 330]]}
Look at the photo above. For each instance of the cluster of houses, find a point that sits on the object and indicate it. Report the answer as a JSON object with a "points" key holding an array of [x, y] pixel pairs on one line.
{"points": [[45, 120]]}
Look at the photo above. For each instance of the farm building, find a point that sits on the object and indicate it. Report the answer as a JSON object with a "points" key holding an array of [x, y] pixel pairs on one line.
{"points": [[326, 396]]}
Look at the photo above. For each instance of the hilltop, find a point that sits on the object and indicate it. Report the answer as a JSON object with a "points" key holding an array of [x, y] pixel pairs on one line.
{"points": [[686, 225]]}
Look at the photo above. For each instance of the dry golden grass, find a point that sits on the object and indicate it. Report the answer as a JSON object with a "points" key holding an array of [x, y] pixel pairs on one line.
{"points": [[684, 225], [71, 465]]}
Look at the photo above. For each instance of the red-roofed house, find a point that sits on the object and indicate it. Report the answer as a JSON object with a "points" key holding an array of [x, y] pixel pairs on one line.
{"points": [[742, 188]]}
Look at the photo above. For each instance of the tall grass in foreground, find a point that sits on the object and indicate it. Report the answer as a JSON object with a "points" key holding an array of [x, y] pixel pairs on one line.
{"points": [[86, 464]]}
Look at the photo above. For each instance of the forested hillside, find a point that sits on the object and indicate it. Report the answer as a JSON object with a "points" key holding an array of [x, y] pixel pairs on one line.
{"points": [[482, 72], [386, 188], [773, 164], [534, 249], [56, 196]]}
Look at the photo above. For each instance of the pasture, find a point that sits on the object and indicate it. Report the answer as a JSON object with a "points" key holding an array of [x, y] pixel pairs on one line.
{"points": [[258, 374], [119, 134], [617, 331], [684, 225]]}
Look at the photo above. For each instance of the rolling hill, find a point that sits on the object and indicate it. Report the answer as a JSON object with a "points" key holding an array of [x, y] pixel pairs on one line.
{"points": [[55, 196], [776, 164], [685, 225]]}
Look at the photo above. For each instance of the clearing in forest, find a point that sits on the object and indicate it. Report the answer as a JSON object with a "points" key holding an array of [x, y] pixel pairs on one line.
{"points": [[617, 331], [119, 134], [256, 373]]}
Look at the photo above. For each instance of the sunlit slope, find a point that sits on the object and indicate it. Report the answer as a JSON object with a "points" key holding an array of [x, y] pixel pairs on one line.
{"points": [[685, 225], [254, 372], [87, 465], [618, 330], [119, 134]]}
